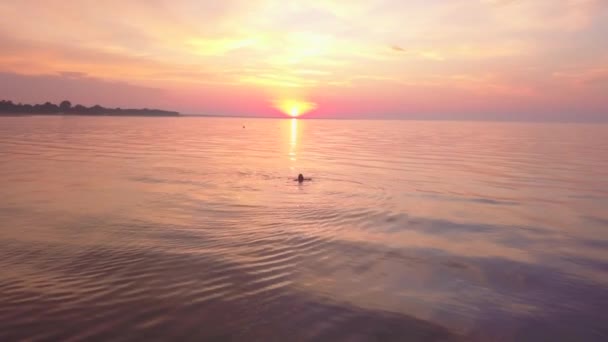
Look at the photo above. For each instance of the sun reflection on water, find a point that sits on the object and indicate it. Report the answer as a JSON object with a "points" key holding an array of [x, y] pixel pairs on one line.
{"points": [[293, 141]]}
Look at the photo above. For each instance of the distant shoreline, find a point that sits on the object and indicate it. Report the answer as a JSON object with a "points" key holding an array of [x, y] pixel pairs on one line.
{"points": [[6, 114], [8, 108]]}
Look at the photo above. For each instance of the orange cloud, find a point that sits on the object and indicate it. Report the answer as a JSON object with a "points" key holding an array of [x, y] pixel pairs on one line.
{"points": [[389, 52]]}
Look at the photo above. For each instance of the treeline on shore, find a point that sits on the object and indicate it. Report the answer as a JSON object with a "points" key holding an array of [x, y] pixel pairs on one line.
{"points": [[65, 107]]}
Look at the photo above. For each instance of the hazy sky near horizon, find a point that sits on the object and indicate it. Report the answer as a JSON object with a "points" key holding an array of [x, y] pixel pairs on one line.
{"points": [[457, 59]]}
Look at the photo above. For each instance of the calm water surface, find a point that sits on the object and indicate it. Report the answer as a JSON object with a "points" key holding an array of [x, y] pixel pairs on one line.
{"points": [[193, 229]]}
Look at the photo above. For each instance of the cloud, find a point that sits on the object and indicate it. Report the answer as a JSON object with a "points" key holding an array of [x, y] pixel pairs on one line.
{"points": [[72, 74], [491, 47], [78, 88], [544, 15], [597, 78]]}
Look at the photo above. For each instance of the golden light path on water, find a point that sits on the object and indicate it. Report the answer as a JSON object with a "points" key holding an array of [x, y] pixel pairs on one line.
{"points": [[293, 142]]}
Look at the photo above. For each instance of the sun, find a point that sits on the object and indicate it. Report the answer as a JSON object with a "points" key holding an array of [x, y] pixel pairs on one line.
{"points": [[294, 111], [294, 108]]}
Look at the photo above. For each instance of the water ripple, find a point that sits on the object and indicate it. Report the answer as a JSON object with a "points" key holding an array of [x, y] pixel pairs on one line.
{"points": [[191, 228]]}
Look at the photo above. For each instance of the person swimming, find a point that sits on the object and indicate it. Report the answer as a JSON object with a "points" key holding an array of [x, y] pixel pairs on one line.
{"points": [[301, 178]]}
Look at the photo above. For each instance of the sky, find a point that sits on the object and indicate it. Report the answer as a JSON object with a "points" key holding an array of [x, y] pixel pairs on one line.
{"points": [[413, 59]]}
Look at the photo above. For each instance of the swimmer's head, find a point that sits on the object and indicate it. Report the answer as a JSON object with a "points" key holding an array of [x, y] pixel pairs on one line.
{"points": [[300, 178]]}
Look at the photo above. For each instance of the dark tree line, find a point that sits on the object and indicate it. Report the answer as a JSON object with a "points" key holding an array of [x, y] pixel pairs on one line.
{"points": [[65, 107]]}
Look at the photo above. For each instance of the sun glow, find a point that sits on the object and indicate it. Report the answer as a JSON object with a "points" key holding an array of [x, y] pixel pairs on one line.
{"points": [[294, 111], [294, 108]]}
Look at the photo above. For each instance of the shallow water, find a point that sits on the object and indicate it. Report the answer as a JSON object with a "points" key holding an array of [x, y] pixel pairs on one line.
{"points": [[193, 228]]}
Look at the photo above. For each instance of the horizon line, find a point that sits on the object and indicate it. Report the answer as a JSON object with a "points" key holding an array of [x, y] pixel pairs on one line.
{"points": [[305, 117]]}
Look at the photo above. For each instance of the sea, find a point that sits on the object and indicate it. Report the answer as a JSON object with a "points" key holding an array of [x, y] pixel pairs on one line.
{"points": [[193, 228]]}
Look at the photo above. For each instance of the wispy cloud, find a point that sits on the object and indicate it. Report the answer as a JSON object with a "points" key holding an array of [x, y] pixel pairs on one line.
{"points": [[339, 48]]}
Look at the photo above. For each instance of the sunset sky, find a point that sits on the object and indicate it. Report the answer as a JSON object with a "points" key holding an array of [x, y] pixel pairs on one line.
{"points": [[436, 59]]}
